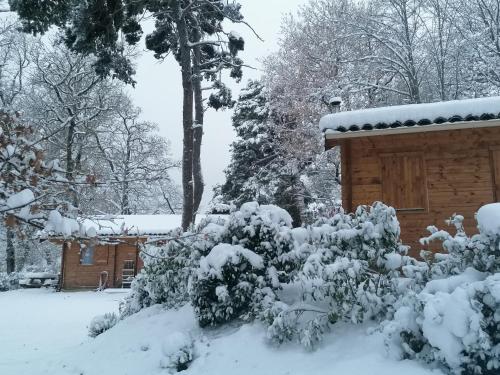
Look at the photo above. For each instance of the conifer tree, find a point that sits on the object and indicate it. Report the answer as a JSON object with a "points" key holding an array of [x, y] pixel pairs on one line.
{"points": [[246, 177]]}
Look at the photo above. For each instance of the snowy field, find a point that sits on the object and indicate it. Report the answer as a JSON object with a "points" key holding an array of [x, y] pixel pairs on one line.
{"points": [[38, 326], [44, 332]]}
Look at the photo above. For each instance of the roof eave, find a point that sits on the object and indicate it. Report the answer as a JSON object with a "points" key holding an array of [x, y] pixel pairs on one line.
{"points": [[335, 135]]}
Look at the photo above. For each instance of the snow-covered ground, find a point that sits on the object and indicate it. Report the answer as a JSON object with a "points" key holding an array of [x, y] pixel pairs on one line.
{"points": [[38, 326], [43, 332]]}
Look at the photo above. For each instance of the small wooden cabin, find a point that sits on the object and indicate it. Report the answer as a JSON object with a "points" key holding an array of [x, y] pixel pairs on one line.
{"points": [[428, 161], [108, 255], [110, 262]]}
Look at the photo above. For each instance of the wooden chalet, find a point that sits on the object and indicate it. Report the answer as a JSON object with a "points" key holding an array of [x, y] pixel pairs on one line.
{"points": [[103, 252], [428, 161]]}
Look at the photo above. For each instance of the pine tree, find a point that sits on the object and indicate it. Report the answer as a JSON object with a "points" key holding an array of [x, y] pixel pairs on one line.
{"points": [[264, 168], [246, 176]]}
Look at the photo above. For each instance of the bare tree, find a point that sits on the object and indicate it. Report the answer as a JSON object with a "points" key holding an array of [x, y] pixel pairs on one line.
{"points": [[136, 162], [15, 59], [478, 24], [69, 101]]}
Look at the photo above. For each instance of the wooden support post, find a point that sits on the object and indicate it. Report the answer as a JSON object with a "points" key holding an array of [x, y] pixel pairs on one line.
{"points": [[346, 173]]}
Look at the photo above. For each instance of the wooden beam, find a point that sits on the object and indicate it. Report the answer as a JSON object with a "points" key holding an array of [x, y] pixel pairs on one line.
{"points": [[63, 266]]}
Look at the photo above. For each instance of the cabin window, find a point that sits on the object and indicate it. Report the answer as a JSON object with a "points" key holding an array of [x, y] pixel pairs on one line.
{"points": [[87, 255], [404, 185]]}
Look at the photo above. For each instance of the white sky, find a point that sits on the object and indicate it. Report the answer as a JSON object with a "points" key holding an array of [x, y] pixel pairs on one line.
{"points": [[158, 91]]}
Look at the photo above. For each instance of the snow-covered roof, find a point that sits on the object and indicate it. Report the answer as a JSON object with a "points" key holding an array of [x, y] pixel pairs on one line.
{"points": [[133, 224], [118, 225], [416, 116]]}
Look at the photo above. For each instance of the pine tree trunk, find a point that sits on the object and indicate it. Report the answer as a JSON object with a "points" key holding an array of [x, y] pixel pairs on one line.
{"points": [[197, 131], [187, 120], [299, 202], [70, 162], [10, 251], [125, 202]]}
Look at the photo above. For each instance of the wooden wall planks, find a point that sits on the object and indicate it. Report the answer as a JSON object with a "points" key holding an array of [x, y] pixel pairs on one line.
{"points": [[462, 173]]}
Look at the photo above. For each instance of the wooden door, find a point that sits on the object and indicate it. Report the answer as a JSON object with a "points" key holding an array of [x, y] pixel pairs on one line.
{"points": [[404, 184], [495, 157]]}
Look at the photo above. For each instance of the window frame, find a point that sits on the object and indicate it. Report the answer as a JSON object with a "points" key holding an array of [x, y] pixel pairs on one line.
{"points": [[83, 254]]}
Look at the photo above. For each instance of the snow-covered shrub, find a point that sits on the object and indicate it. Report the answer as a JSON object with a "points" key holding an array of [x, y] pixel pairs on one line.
{"points": [[455, 319], [164, 277], [168, 267], [239, 277], [454, 322], [356, 267], [9, 281], [265, 230], [219, 207], [102, 323], [178, 349], [224, 285], [353, 274], [481, 251]]}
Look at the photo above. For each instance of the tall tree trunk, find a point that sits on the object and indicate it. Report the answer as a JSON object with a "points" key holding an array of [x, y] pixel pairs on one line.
{"points": [[299, 201], [187, 119], [70, 162], [198, 130], [10, 251], [125, 203]]}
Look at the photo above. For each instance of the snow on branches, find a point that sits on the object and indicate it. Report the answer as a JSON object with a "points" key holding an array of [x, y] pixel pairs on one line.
{"points": [[21, 168]]}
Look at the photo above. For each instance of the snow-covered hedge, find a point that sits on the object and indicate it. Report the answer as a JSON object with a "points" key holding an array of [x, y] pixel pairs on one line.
{"points": [[8, 281], [178, 351], [168, 268], [255, 255], [102, 323], [225, 284], [347, 268], [353, 274], [265, 230], [454, 319]]}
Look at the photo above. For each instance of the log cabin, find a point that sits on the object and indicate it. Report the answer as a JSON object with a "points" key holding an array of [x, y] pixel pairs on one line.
{"points": [[103, 252], [429, 161]]}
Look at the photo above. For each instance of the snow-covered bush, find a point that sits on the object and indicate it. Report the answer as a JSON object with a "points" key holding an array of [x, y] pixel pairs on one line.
{"points": [[353, 274], [239, 277], [178, 349], [481, 251], [265, 230], [102, 323], [356, 267], [9, 281], [168, 267], [217, 206], [225, 283], [455, 319]]}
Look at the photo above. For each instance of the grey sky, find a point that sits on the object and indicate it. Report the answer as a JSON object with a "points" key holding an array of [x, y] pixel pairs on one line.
{"points": [[158, 90]]}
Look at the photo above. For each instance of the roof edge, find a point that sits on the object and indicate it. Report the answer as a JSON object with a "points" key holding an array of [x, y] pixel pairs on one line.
{"points": [[332, 134]]}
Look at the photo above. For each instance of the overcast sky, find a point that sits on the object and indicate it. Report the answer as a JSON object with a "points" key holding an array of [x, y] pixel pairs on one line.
{"points": [[158, 91]]}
